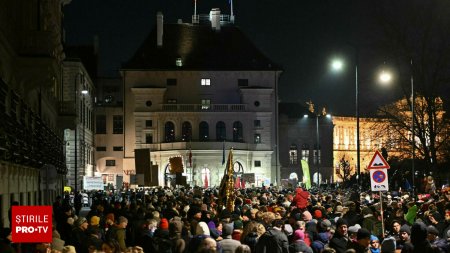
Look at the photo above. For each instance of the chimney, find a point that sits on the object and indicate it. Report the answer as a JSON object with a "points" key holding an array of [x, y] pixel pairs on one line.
{"points": [[215, 19], [159, 28]]}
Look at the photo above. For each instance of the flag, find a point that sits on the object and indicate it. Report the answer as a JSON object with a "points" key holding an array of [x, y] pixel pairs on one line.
{"points": [[190, 157], [223, 153], [306, 176]]}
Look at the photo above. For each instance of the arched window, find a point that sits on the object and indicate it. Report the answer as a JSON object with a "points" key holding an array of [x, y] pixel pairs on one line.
{"points": [[305, 152], [237, 132], [293, 154], [186, 131], [169, 132], [203, 134], [221, 134], [206, 177]]}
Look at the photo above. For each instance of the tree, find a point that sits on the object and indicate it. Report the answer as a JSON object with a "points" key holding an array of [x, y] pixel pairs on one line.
{"points": [[417, 42], [345, 171]]}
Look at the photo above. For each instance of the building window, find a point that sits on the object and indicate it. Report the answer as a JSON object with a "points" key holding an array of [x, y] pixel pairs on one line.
{"points": [[148, 138], [257, 138], [293, 155], [206, 104], [100, 124], [100, 148], [221, 133], [117, 124], [171, 101], [257, 163], [206, 82], [305, 152], [171, 82], [203, 131], [179, 62], [257, 123], [148, 123], [169, 132], [148, 103], [237, 132], [317, 155], [242, 82], [110, 162], [118, 148], [206, 177], [186, 130]]}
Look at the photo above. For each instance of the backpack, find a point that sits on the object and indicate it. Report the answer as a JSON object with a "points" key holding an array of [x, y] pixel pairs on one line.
{"points": [[267, 243]]}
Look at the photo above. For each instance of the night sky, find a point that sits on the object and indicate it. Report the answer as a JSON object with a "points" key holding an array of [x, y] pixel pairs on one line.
{"points": [[300, 36]]}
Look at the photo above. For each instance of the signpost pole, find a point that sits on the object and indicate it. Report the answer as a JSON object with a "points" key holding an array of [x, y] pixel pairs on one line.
{"points": [[382, 214]]}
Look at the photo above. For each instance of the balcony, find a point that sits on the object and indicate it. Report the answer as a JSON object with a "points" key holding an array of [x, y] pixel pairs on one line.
{"points": [[197, 145], [203, 107]]}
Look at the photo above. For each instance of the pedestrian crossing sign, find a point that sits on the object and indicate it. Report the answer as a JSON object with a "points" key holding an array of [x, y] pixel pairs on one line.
{"points": [[378, 162]]}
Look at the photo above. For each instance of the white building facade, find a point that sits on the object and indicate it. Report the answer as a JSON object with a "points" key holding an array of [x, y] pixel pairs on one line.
{"points": [[193, 89]]}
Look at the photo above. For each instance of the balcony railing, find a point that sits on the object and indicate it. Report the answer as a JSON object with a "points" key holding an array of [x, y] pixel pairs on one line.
{"points": [[203, 107]]}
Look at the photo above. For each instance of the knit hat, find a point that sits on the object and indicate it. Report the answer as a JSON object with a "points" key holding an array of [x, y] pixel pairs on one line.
{"points": [[175, 226], [363, 234], [307, 216], [299, 235], [324, 225], [317, 214], [374, 238], [80, 221], [95, 220], [227, 229], [164, 224], [238, 224], [341, 222], [354, 229], [405, 228], [388, 245], [432, 230], [58, 244]]}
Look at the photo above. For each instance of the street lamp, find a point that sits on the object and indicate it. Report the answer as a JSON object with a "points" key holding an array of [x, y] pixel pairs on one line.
{"points": [[317, 116], [83, 93], [338, 65]]}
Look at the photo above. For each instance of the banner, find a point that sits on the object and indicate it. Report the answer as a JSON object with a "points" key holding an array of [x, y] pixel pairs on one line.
{"points": [[306, 176], [93, 183]]}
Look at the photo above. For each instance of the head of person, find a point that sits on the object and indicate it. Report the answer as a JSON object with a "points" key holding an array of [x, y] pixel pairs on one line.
{"points": [[396, 227], [405, 232], [82, 223], [363, 237], [123, 222], [374, 242], [111, 246], [342, 227], [432, 233]]}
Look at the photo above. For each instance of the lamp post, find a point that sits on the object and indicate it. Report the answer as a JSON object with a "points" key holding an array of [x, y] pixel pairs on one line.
{"points": [[317, 160], [337, 65]]}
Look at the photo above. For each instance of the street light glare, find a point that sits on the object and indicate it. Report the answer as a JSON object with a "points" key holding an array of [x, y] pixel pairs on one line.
{"points": [[337, 65], [84, 92], [385, 77]]}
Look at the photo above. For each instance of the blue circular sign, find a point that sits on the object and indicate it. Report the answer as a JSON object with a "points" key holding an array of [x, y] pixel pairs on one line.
{"points": [[379, 176]]}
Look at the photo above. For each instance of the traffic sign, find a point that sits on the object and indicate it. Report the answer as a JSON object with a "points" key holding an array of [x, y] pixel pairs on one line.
{"points": [[378, 162], [379, 180]]}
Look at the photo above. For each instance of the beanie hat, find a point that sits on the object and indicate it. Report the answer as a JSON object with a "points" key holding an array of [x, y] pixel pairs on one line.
{"points": [[388, 245], [341, 222], [363, 234], [110, 216], [164, 224], [95, 220], [317, 214], [227, 229], [238, 224], [299, 235], [80, 221], [405, 228], [432, 230], [374, 238], [354, 229], [175, 226], [307, 216], [69, 249]]}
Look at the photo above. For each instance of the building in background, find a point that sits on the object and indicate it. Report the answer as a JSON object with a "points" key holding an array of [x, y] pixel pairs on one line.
{"points": [[298, 141], [109, 137], [192, 89], [32, 161]]}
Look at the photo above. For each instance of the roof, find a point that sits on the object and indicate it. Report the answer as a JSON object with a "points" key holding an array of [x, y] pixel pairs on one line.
{"points": [[200, 48]]}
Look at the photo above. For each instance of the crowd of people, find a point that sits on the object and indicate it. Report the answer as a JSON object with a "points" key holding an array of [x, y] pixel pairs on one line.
{"points": [[264, 220]]}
